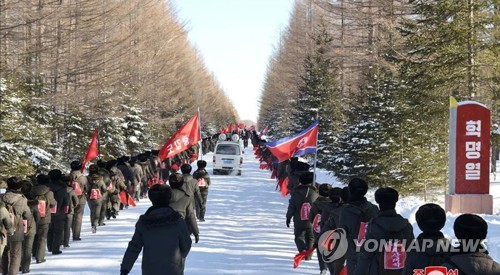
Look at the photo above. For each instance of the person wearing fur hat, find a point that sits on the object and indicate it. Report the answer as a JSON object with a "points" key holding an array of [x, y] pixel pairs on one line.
{"points": [[163, 236], [191, 185], [472, 257], [316, 216], [357, 211], [430, 219], [296, 169], [182, 202], [95, 190], [42, 193], [386, 225], [78, 178], [73, 202], [299, 207], [13, 198], [147, 174], [56, 228], [29, 236], [203, 178]]}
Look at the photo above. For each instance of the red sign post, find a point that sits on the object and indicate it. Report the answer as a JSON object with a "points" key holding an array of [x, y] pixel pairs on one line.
{"points": [[469, 158]]}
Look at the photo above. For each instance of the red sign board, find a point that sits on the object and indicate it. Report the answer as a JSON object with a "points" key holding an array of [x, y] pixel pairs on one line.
{"points": [[472, 149]]}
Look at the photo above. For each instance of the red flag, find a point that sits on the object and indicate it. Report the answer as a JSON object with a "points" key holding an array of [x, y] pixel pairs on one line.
{"points": [[187, 136], [343, 271], [92, 151], [299, 257], [283, 186]]}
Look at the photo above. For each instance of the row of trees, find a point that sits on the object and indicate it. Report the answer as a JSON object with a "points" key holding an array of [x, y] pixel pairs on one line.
{"points": [[69, 66], [379, 74]]}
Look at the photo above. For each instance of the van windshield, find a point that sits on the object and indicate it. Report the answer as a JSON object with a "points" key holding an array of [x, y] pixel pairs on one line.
{"points": [[228, 149]]}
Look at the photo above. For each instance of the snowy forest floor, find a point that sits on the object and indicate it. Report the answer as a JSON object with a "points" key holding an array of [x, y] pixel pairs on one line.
{"points": [[244, 232]]}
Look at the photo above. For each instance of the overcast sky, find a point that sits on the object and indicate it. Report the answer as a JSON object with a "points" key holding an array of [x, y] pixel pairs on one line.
{"points": [[236, 39]]}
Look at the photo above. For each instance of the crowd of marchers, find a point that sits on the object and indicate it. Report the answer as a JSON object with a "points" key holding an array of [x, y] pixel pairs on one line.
{"points": [[318, 209], [43, 213]]}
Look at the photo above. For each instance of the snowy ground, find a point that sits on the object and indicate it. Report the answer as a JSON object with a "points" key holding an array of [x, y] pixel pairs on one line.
{"points": [[245, 232]]}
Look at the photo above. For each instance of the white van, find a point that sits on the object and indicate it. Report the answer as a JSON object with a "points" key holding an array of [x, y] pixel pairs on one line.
{"points": [[228, 158]]}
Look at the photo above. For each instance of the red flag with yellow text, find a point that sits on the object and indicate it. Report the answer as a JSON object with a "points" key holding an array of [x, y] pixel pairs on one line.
{"points": [[187, 136], [92, 151]]}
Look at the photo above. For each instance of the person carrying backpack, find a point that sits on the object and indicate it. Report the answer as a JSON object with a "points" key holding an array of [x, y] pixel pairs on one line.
{"points": [[430, 219], [95, 190], [17, 206], [45, 198], [203, 179], [73, 202], [316, 216], [6, 228], [80, 183], [29, 236], [472, 257], [390, 227], [299, 208], [355, 215]]}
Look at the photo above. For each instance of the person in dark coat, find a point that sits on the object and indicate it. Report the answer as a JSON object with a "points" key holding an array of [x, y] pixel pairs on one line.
{"points": [[472, 257], [123, 166], [203, 179], [42, 192], [357, 211], [183, 203], [56, 227], [68, 222], [13, 197], [299, 208], [81, 180], [431, 219], [330, 219], [386, 225], [147, 174], [316, 216], [162, 234], [191, 185], [105, 196], [29, 236], [297, 168], [6, 227], [94, 192]]}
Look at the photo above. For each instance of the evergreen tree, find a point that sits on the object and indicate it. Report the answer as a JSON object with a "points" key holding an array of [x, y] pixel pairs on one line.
{"points": [[135, 131], [112, 141], [316, 96]]}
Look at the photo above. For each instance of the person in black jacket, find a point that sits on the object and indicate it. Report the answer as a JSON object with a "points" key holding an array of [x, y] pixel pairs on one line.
{"points": [[316, 216], [472, 257], [299, 208], [430, 219], [353, 214], [296, 168], [386, 226], [182, 202], [58, 216], [203, 179]]}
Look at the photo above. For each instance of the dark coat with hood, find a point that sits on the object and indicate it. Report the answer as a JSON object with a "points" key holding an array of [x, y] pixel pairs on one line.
{"points": [[434, 255], [304, 193], [183, 204], [317, 208], [164, 237], [472, 263], [387, 225], [21, 209], [41, 191]]}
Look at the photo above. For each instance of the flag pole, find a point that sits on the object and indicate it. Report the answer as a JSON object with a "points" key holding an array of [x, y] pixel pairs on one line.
{"points": [[98, 142], [201, 139], [316, 154]]}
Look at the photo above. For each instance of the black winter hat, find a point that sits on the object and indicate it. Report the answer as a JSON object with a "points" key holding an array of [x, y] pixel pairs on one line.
{"points": [[430, 217], [357, 189], [176, 181], [386, 197], [301, 166], [306, 178], [75, 165], [93, 169], [55, 175], [14, 183], [201, 164], [324, 189], [43, 179], [160, 194], [186, 168], [335, 194], [470, 227]]}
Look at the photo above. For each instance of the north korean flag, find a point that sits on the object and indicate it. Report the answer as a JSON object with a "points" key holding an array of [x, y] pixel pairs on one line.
{"points": [[306, 142]]}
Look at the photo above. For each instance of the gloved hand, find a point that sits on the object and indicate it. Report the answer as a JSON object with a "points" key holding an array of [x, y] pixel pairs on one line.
{"points": [[124, 272], [196, 238], [288, 223]]}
